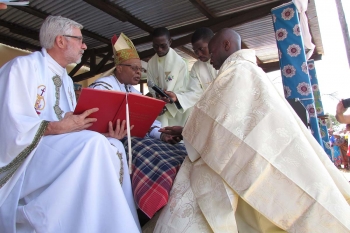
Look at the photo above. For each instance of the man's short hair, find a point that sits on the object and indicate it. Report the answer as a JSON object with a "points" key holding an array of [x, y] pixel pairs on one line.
{"points": [[162, 31], [203, 33], [54, 26]]}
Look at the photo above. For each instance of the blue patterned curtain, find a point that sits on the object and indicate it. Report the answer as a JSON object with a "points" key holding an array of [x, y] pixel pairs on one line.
{"points": [[319, 108], [295, 75]]}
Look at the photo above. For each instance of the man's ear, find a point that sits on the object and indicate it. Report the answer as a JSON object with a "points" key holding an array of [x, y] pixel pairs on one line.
{"points": [[170, 41], [227, 45], [118, 69], [60, 42]]}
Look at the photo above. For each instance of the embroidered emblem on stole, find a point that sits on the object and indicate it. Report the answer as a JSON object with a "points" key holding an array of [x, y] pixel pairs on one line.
{"points": [[168, 77], [40, 100]]}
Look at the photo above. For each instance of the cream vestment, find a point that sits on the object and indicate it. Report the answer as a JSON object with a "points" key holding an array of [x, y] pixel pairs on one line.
{"points": [[252, 164]]}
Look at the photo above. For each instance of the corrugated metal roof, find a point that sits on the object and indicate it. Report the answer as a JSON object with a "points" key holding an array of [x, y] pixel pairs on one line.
{"points": [[160, 13], [223, 7], [257, 34]]}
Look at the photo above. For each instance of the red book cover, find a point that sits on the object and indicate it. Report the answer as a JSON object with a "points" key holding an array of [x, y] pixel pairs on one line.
{"points": [[143, 110]]}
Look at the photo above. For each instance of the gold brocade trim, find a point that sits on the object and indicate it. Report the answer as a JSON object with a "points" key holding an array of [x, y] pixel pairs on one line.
{"points": [[58, 83], [121, 171], [16, 162]]}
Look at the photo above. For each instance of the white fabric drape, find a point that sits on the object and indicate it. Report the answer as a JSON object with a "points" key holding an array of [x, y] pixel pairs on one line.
{"points": [[302, 5]]}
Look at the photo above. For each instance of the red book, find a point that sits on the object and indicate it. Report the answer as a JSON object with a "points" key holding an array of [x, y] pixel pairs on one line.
{"points": [[143, 110]]}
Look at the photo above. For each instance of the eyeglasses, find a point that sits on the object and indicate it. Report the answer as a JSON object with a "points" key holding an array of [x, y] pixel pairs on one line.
{"points": [[134, 67], [76, 37]]}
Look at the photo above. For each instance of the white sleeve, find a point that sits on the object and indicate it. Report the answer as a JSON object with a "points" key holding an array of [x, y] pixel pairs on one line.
{"points": [[155, 131], [191, 92]]}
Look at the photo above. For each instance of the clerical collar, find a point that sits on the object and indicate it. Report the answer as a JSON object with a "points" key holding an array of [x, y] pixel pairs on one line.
{"points": [[127, 87], [53, 65], [161, 59]]}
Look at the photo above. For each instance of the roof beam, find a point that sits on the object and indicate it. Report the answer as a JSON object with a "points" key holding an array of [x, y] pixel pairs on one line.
{"points": [[210, 22], [43, 15], [230, 22], [18, 43], [187, 51], [118, 13], [20, 30], [215, 24], [202, 8]]}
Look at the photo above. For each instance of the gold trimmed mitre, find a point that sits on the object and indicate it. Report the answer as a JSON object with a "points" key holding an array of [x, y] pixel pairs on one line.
{"points": [[123, 49]]}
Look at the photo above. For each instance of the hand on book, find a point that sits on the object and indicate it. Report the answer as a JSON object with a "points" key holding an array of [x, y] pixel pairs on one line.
{"points": [[120, 130], [71, 123]]}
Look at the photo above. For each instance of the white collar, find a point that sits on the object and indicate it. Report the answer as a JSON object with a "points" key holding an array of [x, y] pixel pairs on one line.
{"points": [[53, 65]]}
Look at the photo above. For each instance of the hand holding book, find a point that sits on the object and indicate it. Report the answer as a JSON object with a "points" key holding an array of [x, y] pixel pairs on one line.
{"points": [[120, 130]]}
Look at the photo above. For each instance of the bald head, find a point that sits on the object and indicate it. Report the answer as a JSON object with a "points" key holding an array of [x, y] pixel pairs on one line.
{"points": [[222, 45]]}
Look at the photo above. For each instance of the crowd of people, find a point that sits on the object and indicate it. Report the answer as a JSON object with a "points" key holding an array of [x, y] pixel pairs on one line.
{"points": [[247, 163]]}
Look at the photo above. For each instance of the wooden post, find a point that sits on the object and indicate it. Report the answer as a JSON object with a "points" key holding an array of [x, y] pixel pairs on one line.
{"points": [[344, 28]]}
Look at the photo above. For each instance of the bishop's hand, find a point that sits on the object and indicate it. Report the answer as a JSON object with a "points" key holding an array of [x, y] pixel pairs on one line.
{"points": [[120, 130]]}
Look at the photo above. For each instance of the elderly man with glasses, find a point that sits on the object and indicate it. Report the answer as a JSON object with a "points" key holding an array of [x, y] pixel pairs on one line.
{"points": [[157, 157], [55, 176]]}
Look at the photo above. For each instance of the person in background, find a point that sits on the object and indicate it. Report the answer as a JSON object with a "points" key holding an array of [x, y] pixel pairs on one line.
{"points": [[202, 70], [202, 73], [346, 148], [340, 116], [169, 71], [55, 176], [337, 141]]}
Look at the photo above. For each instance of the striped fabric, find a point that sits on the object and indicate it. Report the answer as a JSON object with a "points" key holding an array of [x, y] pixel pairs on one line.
{"points": [[155, 165]]}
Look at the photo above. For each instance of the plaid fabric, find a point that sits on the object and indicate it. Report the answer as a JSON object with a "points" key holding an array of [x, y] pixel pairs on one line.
{"points": [[155, 165]]}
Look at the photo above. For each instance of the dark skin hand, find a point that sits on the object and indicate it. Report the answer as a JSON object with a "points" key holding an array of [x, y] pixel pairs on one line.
{"points": [[170, 138], [171, 94], [172, 133]]}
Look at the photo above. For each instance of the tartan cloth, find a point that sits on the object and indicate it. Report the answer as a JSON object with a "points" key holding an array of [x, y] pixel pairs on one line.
{"points": [[155, 165]]}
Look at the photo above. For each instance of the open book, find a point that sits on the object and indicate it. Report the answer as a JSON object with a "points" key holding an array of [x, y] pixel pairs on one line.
{"points": [[143, 110]]}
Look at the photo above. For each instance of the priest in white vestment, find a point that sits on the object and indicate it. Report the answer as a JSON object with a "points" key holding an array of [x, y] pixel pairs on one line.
{"points": [[55, 176], [202, 73], [252, 165], [169, 71]]}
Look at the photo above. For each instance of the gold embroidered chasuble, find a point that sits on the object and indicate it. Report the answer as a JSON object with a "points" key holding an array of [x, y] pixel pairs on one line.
{"points": [[252, 165]]}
